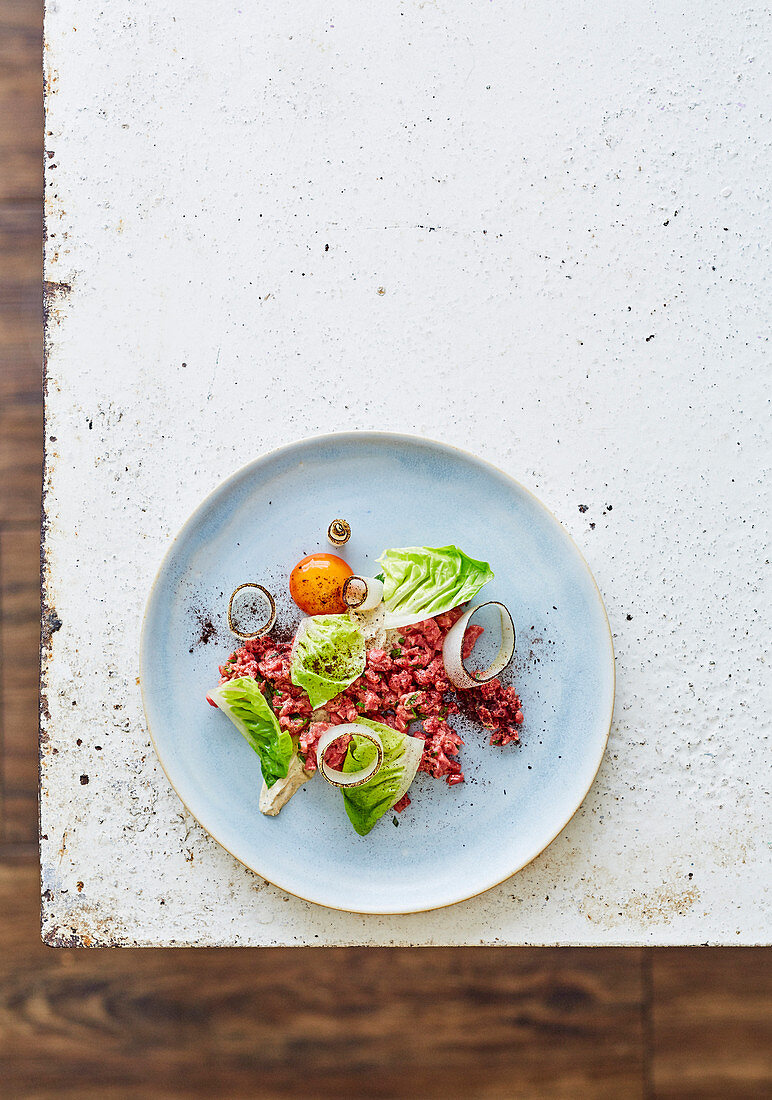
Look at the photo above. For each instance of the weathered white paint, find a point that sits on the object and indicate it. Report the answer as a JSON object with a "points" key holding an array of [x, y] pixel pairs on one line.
{"points": [[538, 231]]}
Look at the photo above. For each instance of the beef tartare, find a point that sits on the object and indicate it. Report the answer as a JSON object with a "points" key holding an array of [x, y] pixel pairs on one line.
{"points": [[405, 688], [386, 682]]}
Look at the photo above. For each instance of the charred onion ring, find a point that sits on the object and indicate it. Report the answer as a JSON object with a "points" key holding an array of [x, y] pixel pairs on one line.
{"points": [[348, 779], [453, 645], [338, 532], [265, 626], [362, 593]]}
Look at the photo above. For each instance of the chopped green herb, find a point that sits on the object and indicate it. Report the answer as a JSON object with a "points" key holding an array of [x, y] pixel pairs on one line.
{"points": [[328, 655]]}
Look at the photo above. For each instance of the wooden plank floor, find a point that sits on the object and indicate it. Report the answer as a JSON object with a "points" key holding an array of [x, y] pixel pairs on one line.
{"points": [[281, 1023]]}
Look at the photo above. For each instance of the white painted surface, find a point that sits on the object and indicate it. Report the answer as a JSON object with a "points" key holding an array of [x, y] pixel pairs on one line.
{"points": [[548, 231]]}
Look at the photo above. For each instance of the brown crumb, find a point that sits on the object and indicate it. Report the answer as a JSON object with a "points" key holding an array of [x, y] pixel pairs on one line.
{"points": [[205, 628]]}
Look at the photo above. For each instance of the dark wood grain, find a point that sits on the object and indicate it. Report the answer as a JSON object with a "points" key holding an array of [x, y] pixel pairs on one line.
{"points": [[21, 240], [21, 413], [19, 635], [21, 100], [712, 1023], [21, 347], [21, 161], [382, 1023]]}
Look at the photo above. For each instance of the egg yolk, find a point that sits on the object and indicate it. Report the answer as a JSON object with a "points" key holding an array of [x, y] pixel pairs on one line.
{"points": [[315, 584]]}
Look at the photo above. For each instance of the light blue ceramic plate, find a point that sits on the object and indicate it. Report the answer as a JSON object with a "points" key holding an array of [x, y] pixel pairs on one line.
{"points": [[451, 843]]}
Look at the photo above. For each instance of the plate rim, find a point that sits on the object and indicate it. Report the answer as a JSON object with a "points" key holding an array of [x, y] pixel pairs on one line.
{"points": [[399, 438]]}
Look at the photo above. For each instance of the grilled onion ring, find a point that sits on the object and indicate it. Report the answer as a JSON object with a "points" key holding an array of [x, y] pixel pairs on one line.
{"points": [[339, 532], [348, 779], [362, 593], [265, 626], [453, 645]]}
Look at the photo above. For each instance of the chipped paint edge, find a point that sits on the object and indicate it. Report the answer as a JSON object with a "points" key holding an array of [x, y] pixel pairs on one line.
{"points": [[52, 293]]}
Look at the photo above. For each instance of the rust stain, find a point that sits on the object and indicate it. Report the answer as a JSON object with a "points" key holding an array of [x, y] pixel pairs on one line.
{"points": [[53, 294], [48, 626], [86, 926], [662, 904], [657, 905], [50, 623], [65, 937]]}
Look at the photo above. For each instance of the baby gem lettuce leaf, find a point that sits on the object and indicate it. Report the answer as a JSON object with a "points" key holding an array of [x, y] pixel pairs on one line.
{"points": [[249, 711], [421, 581], [401, 756], [328, 655]]}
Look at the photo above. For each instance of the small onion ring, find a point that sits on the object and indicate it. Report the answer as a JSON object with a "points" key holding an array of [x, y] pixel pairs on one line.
{"points": [[266, 625], [339, 532], [368, 600], [348, 779], [454, 641]]}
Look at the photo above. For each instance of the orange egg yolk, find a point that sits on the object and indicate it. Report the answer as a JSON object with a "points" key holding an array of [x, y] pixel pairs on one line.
{"points": [[315, 584]]}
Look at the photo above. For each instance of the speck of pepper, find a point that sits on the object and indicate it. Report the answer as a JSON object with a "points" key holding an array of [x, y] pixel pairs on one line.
{"points": [[629, 618], [592, 526], [78, 741], [584, 507], [83, 780], [206, 628], [79, 886]]}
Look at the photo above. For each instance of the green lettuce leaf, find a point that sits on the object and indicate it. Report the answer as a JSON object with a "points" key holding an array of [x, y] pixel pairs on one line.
{"points": [[401, 756], [247, 708], [328, 655], [421, 581]]}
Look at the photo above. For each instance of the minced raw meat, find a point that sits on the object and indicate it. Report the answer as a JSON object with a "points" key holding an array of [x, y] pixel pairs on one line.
{"points": [[403, 686]]}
